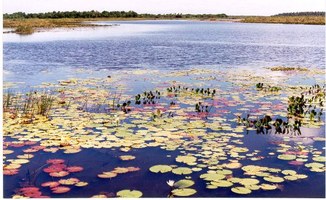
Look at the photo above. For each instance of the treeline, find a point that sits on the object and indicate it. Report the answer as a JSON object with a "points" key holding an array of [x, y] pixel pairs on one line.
{"points": [[104, 14], [300, 14]]}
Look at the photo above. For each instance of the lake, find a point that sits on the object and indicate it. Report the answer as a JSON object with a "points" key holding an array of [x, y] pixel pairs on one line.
{"points": [[87, 69]]}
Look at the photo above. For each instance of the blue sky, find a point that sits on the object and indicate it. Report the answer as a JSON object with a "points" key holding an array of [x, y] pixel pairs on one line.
{"points": [[231, 7]]}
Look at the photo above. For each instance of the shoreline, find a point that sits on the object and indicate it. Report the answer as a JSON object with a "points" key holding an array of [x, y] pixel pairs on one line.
{"points": [[29, 26]]}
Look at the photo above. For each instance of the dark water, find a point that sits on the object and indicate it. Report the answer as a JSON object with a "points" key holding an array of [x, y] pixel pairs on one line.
{"points": [[162, 45], [50, 56]]}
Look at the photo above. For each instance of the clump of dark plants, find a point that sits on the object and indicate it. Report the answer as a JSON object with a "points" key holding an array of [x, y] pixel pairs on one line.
{"points": [[267, 88], [125, 106], [146, 97], [263, 125], [208, 92]]}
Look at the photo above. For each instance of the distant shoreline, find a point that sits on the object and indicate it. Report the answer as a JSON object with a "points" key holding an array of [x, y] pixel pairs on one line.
{"points": [[29, 26]]}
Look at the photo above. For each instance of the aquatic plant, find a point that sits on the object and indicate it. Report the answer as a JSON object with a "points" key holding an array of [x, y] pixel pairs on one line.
{"points": [[267, 88], [45, 104]]}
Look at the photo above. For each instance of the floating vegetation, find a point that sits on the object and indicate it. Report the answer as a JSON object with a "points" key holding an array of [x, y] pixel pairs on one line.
{"points": [[284, 68], [160, 168], [183, 192], [203, 131], [129, 194]]}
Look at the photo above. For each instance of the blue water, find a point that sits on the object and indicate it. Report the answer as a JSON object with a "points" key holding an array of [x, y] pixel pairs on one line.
{"points": [[48, 56], [162, 45]]}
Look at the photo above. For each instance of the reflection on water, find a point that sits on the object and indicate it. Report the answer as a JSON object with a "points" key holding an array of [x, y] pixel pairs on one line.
{"points": [[164, 45]]}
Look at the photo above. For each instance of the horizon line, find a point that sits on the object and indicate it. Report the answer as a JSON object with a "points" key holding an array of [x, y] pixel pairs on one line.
{"points": [[158, 13]]}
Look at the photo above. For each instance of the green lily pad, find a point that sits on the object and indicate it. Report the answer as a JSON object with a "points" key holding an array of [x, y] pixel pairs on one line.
{"points": [[289, 172], [212, 187], [241, 190], [182, 171], [274, 179], [319, 159], [274, 170], [249, 181], [222, 183], [234, 180], [267, 186], [253, 187], [224, 172], [314, 165], [184, 183], [160, 168], [196, 169], [315, 169], [129, 194], [184, 192], [301, 176], [291, 178], [186, 159], [286, 157], [212, 177]]}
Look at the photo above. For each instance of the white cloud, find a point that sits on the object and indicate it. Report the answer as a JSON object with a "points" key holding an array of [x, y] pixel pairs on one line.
{"points": [[231, 7]]}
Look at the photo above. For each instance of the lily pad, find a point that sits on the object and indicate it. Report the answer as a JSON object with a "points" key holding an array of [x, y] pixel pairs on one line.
{"points": [[127, 157], [211, 187], [249, 181], [274, 179], [286, 157], [186, 159], [267, 186], [184, 183], [291, 178], [319, 159], [107, 175], [160, 168], [222, 183], [253, 187], [301, 176], [129, 194], [241, 190], [182, 171], [184, 192], [314, 165], [289, 172], [81, 184], [212, 177]]}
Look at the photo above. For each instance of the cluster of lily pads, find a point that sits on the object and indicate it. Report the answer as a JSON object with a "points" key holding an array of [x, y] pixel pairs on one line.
{"points": [[209, 145]]}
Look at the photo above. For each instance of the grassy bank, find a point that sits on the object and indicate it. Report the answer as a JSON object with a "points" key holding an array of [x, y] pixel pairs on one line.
{"points": [[316, 20], [29, 26]]}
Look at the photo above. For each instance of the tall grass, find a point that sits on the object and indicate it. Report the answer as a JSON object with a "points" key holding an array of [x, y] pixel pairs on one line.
{"points": [[24, 30], [8, 100], [28, 105], [318, 20], [44, 104]]}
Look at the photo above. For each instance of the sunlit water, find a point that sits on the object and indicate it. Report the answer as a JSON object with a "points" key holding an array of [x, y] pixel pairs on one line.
{"points": [[49, 56]]}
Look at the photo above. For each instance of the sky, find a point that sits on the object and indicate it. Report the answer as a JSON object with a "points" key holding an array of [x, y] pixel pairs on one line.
{"points": [[229, 7]]}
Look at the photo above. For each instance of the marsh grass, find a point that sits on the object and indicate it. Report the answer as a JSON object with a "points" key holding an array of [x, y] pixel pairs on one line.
{"points": [[24, 30], [284, 68], [317, 20], [28, 105], [29, 26], [44, 104], [8, 100]]}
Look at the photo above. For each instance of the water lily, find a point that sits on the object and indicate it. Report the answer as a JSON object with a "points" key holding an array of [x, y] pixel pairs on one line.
{"points": [[170, 183]]}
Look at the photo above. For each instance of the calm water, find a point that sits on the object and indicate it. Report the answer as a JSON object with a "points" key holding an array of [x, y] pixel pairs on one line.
{"points": [[54, 55], [162, 45]]}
